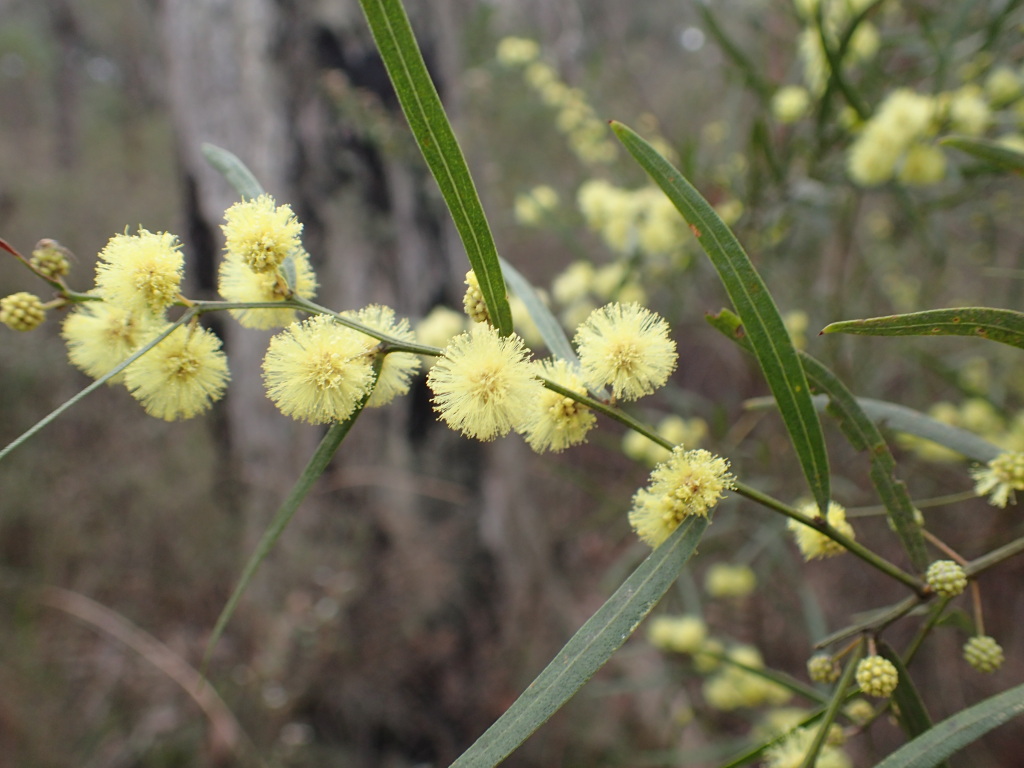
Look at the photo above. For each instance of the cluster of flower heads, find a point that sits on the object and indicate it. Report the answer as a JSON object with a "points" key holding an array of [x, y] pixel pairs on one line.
{"points": [[317, 370], [485, 385], [897, 141], [138, 279], [586, 132]]}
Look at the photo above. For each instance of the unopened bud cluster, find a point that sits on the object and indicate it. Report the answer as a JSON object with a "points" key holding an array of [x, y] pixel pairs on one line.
{"points": [[822, 668], [22, 311], [49, 259], [983, 653], [473, 302], [946, 578], [877, 676]]}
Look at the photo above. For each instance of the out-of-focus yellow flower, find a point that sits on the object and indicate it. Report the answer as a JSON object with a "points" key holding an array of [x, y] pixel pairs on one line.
{"points": [[439, 326], [680, 634], [517, 51], [1001, 478], [813, 543], [790, 103], [728, 580]]}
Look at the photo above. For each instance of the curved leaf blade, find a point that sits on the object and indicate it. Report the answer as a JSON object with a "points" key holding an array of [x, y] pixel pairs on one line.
{"points": [[1002, 325], [990, 151], [587, 650], [436, 139], [863, 435], [761, 319], [956, 732], [234, 170], [547, 325]]}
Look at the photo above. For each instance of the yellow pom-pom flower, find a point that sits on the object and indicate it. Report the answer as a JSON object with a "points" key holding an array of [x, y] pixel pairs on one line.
{"points": [[681, 634], [318, 371], [556, 421], [237, 282], [790, 103], [688, 483], [813, 543], [484, 384], [181, 376], [141, 272], [100, 336], [627, 348], [729, 580], [260, 233], [398, 368], [1001, 477]]}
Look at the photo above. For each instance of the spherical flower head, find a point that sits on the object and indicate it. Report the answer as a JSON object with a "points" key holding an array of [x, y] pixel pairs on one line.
{"points": [[574, 283], [822, 668], [101, 336], [627, 348], [237, 282], [398, 368], [181, 376], [1001, 477], [725, 580], [473, 301], [877, 676], [260, 233], [318, 371], [946, 578], [790, 103], [557, 422], [484, 384], [687, 483], [923, 165], [791, 752], [517, 51], [141, 272], [680, 634], [439, 326], [813, 543], [50, 258], [533, 207], [983, 653], [22, 311]]}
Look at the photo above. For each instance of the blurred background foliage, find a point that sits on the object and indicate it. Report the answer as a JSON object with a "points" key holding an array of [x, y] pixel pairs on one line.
{"points": [[136, 515]]}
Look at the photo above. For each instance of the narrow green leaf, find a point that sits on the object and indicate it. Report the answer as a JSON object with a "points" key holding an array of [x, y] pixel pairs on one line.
{"points": [[317, 464], [433, 133], [952, 734], [234, 170], [1002, 325], [990, 151], [587, 650], [863, 435], [899, 418], [761, 320], [547, 325], [913, 715]]}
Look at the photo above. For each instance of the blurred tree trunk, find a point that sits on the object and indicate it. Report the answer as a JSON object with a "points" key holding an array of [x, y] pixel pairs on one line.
{"points": [[447, 580]]}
